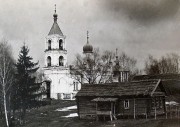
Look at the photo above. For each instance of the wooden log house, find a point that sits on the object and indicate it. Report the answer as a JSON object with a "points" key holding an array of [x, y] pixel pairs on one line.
{"points": [[171, 84], [133, 99]]}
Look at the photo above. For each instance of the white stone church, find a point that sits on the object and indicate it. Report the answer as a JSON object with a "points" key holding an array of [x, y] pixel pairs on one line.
{"points": [[58, 81], [56, 73]]}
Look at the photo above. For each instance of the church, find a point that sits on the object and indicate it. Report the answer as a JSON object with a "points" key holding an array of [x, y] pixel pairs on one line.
{"points": [[56, 72], [58, 79]]}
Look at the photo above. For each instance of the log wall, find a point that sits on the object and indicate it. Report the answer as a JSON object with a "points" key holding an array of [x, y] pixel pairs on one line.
{"points": [[86, 108], [136, 106]]}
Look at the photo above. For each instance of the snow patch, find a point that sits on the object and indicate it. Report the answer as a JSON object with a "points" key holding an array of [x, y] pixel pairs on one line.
{"points": [[67, 108], [71, 115], [172, 103]]}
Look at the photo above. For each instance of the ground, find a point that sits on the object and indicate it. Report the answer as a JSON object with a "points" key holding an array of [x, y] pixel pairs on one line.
{"points": [[53, 116]]}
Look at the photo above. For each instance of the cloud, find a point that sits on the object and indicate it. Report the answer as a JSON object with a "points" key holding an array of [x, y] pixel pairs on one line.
{"points": [[138, 27], [144, 11]]}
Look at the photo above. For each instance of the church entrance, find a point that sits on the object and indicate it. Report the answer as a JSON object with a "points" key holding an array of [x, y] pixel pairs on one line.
{"points": [[48, 86]]}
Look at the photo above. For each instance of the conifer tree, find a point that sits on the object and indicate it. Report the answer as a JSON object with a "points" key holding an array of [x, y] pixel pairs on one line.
{"points": [[27, 90]]}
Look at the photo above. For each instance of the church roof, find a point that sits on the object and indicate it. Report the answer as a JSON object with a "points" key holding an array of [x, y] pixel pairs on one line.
{"points": [[55, 29]]}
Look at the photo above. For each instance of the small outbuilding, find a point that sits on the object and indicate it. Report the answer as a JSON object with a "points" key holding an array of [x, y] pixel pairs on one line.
{"points": [[171, 82], [133, 99]]}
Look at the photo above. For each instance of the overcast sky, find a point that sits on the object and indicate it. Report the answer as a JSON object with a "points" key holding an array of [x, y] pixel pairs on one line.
{"points": [[137, 27]]}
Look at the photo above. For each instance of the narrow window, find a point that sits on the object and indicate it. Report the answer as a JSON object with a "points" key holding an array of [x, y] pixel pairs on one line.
{"points": [[74, 83], [49, 44], [48, 61], [61, 44], [61, 61], [75, 86], [126, 104]]}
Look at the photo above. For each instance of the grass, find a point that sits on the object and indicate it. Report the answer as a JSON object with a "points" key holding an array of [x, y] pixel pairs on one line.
{"points": [[47, 117]]}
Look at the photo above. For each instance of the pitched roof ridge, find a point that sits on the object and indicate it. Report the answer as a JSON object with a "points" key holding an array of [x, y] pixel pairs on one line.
{"points": [[155, 87], [101, 84], [157, 74], [144, 80]]}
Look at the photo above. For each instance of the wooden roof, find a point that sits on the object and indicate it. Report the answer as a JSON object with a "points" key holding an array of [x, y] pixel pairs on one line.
{"points": [[100, 99], [170, 82], [159, 76], [134, 88]]}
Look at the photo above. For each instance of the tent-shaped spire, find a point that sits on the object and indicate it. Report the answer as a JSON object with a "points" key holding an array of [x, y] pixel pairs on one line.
{"points": [[55, 29]]}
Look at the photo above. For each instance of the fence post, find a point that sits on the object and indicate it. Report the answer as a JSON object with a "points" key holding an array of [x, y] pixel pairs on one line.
{"points": [[134, 109], [166, 114], [155, 113], [176, 111]]}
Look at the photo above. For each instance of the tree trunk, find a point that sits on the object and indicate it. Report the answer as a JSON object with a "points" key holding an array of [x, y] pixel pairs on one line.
{"points": [[5, 109]]}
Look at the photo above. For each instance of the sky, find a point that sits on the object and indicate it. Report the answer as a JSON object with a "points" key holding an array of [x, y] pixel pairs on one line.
{"points": [[136, 27]]}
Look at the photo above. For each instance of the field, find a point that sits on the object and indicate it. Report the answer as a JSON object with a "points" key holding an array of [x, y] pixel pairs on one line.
{"points": [[48, 116]]}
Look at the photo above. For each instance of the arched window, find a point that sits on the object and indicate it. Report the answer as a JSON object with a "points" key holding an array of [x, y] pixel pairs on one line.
{"points": [[75, 86], [49, 44], [48, 61], [61, 61], [61, 44]]}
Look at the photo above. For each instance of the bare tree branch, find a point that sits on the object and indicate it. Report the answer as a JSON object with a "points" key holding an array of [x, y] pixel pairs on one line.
{"points": [[166, 64]]}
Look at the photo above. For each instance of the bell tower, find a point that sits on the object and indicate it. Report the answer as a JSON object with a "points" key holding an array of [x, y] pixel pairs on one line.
{"points": [[55, 46], [57, 77]]}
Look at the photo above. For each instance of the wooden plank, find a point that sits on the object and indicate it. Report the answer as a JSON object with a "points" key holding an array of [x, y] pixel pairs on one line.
{"points": [[103, 112], [134, 108], [155, 113], [96, 113]]}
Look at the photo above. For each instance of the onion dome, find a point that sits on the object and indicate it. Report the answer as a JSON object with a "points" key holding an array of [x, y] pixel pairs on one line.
{"points": [[87, 48]]}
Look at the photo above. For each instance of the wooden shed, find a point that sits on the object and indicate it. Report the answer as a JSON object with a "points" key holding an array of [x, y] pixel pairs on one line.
{"points": [[121, 100], [171, 82]]}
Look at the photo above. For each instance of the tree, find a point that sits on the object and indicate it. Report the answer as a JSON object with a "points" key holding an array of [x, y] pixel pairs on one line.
{"points": [[6, 77], [98, 68], [94, 68], [27, 90], [169, 64], [128, 63], [152, 66], [166, 64]]}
